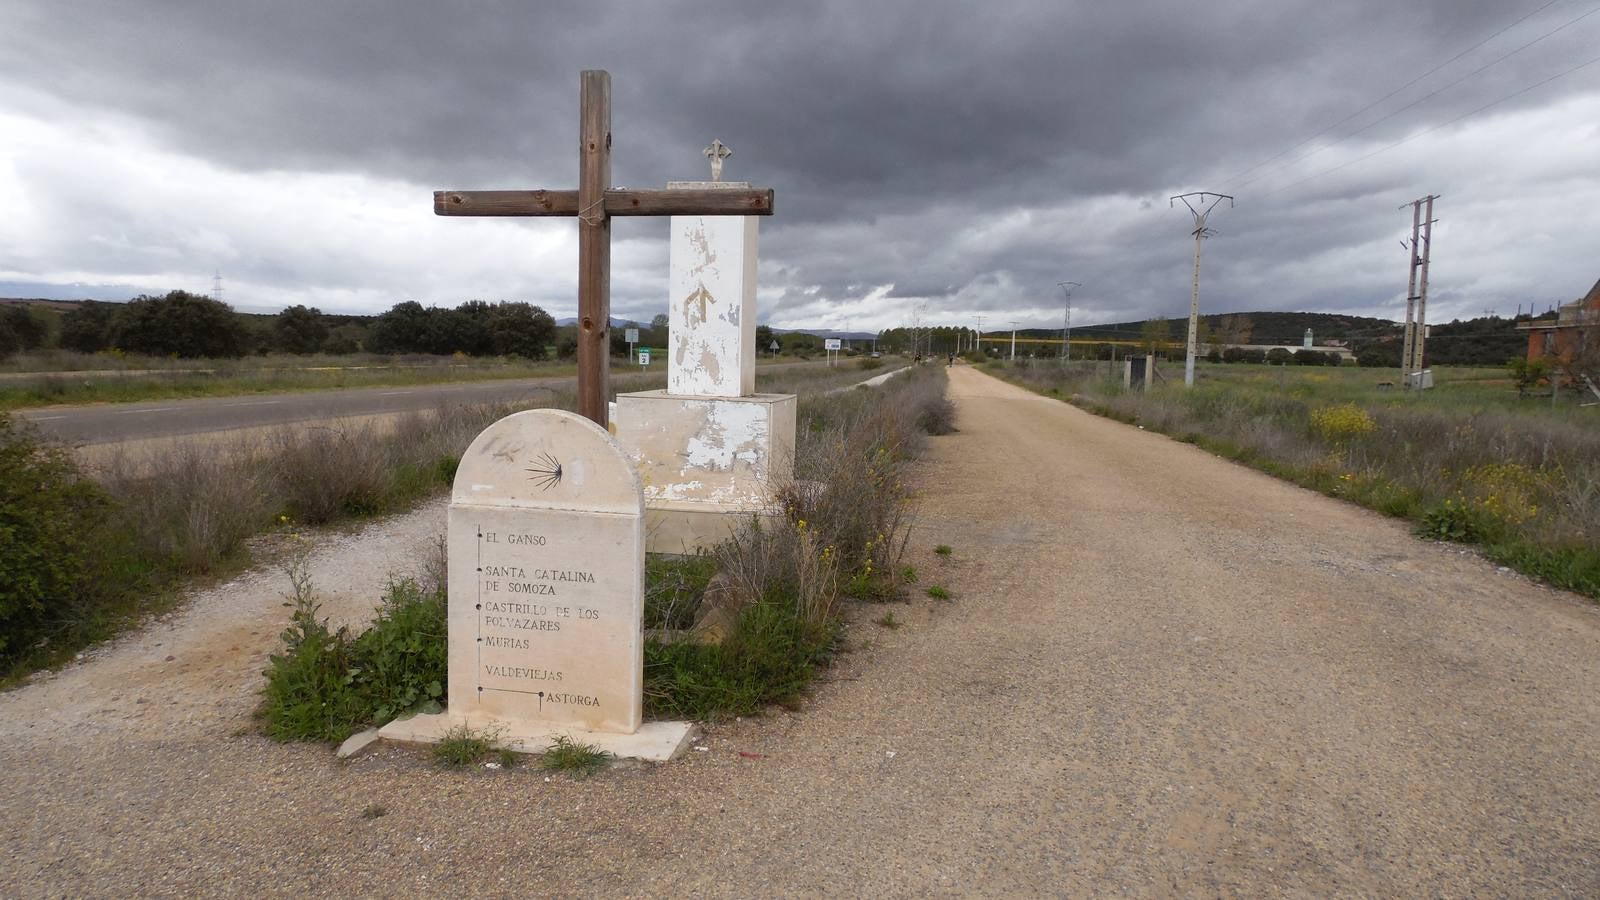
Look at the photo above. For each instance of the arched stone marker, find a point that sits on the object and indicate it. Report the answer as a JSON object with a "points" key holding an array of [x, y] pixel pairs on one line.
{"points": [[546, 551]]}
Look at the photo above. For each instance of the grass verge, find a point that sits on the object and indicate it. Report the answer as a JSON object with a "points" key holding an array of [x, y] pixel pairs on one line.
{"points": [[844, 523]]}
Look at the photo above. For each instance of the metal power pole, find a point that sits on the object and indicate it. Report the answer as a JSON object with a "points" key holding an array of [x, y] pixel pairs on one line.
{"points": [[1066, 322], [980, 333], [1200, 209], [1416, 333]]}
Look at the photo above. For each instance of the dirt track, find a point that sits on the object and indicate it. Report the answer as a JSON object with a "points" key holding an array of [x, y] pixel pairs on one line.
{"points": [[1162, 673]]}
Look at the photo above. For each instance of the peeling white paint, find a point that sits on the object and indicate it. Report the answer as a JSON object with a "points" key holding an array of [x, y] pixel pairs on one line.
{"points": [[732, 453], [711, 306]]}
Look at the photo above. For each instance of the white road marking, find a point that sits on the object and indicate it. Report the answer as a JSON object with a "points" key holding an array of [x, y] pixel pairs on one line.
{"points": [[131, 412], [45, 418], [395, 393]]}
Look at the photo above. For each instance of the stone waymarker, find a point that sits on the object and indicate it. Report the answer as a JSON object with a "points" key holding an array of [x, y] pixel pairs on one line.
{"points": [[710, 450], [546, 585]]}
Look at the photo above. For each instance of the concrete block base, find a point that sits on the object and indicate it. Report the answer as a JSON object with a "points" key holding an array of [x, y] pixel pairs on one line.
{"points": [[683, 527], [728, 452], [653, 742]]}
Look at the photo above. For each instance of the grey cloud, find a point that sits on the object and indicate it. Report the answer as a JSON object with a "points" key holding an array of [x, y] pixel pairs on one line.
{"points": [[895, 133]]}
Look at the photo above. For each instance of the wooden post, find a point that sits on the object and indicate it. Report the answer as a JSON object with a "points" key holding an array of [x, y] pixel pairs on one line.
{"points": [[594, 248]]}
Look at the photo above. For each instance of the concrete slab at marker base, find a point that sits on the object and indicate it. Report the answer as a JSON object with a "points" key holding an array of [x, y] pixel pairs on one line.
{"points": [[653, 742], [681, 528]]}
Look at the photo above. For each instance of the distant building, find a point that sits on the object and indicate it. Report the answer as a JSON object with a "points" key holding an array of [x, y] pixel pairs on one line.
{"points": [[1559, 338]]}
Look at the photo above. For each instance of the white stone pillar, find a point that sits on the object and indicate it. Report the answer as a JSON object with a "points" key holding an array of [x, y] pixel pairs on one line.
{"points": [[711, 302]]}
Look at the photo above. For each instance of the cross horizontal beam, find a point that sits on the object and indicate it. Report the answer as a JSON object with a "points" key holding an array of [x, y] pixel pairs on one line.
{"points": [[686, 202]]}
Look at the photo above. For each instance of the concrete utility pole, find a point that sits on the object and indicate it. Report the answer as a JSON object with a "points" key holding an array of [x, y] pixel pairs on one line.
{"points": [[980, 333], [1200, 209], [1416, 333], [1013, 339], [1066, 324]]}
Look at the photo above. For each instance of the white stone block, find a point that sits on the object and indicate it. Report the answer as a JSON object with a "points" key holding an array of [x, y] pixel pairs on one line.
{"points": [[546, 584]]}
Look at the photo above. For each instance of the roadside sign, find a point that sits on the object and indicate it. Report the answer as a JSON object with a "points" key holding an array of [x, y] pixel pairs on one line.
{"points": [[830, 343], [773, 346], [633, 335], [644, 356]]}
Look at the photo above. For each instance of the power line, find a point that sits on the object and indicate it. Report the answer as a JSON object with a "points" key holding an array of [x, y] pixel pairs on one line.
{"points": [[1384, 118], [1430, 130]]}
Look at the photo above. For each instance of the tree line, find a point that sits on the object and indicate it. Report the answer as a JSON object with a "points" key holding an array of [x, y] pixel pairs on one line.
{"points": [[194, 326]]}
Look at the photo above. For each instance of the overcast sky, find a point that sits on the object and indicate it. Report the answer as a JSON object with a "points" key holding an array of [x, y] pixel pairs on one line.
{"points": [[962, 157]]}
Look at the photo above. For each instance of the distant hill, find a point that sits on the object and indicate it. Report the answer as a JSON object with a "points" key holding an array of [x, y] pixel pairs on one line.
{"points": [[1253, 327], [1484, 341]]}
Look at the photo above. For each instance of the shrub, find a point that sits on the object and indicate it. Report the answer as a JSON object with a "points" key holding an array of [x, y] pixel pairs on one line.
{"points": [[1278, 356], [1339, 424], [770, 656], [179, 324], [51, 524], [869, 364], [1255, 356]]}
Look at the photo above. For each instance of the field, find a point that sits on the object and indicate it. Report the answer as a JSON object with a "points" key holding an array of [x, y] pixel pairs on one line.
{"points": [[1468, 461]]}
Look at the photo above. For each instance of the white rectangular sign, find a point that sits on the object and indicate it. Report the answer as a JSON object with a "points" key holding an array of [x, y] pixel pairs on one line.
{"points": [[831, 343], [644, 356], [633, 335]]}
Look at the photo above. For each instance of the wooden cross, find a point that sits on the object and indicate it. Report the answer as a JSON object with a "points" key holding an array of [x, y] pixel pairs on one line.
{"points": [[594, 203]]}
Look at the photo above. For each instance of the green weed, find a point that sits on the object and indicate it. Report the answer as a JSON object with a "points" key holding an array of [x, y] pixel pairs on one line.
{"points": [[577, 759], [943, 550], [938, 593], [887, 620], [463, 746]]}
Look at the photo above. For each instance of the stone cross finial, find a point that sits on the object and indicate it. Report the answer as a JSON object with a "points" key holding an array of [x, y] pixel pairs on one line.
{"points": [[717, 152]]}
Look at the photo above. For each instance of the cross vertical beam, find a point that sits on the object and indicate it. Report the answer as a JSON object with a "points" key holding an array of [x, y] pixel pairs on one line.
{"points": [[594, 203], [594, 247]]}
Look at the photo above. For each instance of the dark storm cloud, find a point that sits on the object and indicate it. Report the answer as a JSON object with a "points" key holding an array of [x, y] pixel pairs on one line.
{"points": [[968, 154]]}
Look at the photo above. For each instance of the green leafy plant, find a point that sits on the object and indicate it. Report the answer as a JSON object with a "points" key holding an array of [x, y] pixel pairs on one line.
{"points": [[943, 550], [311, 690], [1454, 520], [326, 685], [887, 620], [403, 656], [578, 759], [938, 593]]}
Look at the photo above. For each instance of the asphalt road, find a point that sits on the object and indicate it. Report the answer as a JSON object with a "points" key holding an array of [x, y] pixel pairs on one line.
{"points": [[119, 422]]}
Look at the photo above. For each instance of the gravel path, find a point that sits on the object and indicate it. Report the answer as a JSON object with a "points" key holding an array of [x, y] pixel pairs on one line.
{"points": [[1161, 673]]}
